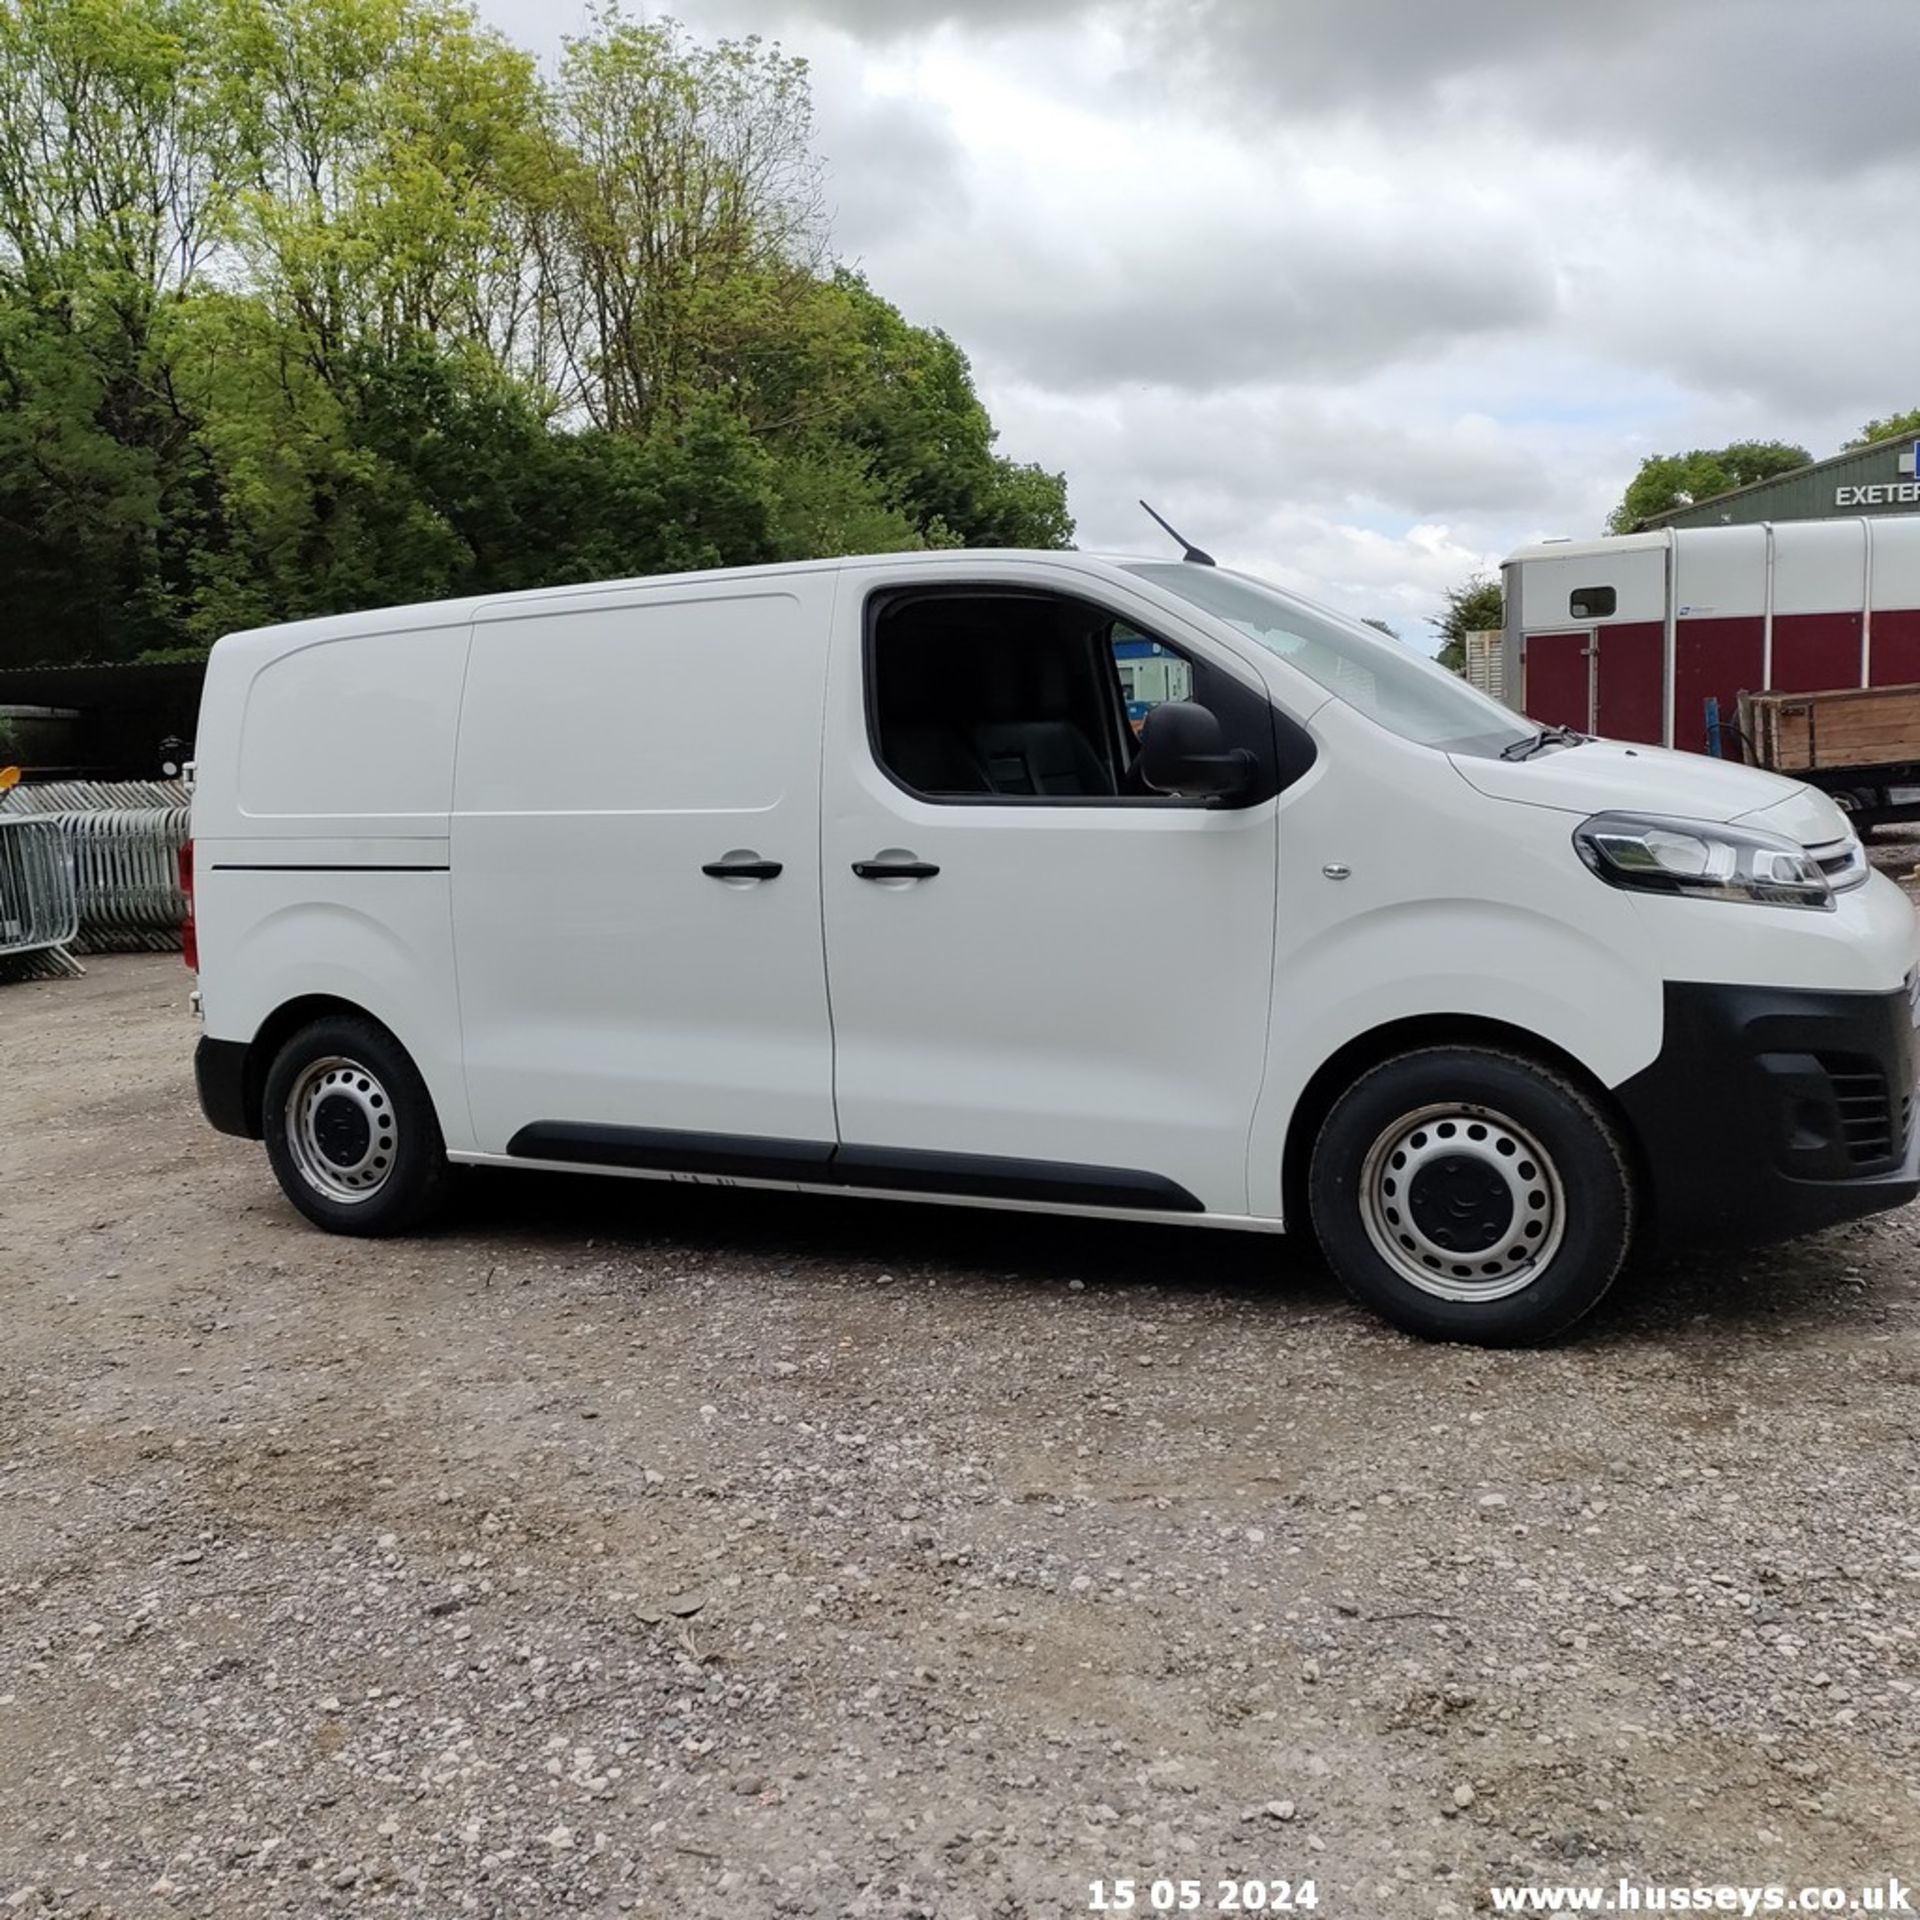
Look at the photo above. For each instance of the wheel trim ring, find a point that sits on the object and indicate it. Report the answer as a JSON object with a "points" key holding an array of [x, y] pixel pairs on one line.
{"points": [[1497, 1272], [335, 1077]]}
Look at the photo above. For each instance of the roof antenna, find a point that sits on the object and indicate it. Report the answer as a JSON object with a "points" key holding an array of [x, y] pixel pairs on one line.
{"points": [[1198, 556]]}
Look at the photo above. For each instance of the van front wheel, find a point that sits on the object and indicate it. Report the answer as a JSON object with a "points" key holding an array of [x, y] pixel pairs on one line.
{"points": [[1469, 1194], [350, 1128]]}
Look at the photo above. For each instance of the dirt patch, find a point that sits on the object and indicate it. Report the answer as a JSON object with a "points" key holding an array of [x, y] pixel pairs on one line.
{"points": [[627, 1548]]}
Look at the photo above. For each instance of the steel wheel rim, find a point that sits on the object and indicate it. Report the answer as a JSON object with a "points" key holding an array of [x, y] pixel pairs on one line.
{"points": [[1462, 1202], [341, 1129]]}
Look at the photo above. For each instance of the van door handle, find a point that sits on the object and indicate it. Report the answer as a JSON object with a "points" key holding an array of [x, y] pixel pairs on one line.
{"points": [[895, 869], [742, 866]]}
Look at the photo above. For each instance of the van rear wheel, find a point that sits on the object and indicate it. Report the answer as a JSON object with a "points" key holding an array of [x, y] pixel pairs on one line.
{"points": [[350, 1129], [1469, 1194]]}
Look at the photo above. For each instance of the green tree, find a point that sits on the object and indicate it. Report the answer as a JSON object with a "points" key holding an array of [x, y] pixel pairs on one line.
{"points": [[1907, 423], [1475, 606], [1668, 480], [386, 151], [112, 151], [80, 503], [315, 304], [683, 227], [903, 398], [112, 145]]}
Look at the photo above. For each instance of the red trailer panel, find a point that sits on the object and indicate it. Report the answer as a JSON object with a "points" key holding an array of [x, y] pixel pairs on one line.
{"points": [[1813, 652], [1557, 680], [1717, 659], [1632, 681], [1896, 647]]}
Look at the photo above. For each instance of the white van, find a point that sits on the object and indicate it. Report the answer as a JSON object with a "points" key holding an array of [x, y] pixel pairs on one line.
{"points": [[860, 876]]}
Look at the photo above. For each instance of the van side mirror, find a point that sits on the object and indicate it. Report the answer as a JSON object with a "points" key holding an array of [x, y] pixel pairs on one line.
{"points": [[1183, 751]]}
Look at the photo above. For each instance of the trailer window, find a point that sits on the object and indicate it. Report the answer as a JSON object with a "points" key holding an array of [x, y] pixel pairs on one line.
{"points": [[1593, 603]]}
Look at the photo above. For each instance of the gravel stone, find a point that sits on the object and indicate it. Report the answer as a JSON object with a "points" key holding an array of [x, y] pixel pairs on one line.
{"points": [[888, 1582]]}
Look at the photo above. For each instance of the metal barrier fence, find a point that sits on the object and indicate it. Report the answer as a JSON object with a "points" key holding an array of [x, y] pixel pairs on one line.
{"points": [[123, 841], [39, 904], [85, 796], [126, 864]]}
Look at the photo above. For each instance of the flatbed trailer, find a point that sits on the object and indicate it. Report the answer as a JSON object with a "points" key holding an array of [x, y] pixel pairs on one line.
{"points": [[1860, 744]]}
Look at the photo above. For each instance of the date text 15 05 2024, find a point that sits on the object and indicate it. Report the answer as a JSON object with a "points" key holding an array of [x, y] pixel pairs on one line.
{"points": [[1202, 1896]]}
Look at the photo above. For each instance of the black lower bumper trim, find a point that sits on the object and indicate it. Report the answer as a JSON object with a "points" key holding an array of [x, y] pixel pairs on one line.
{"points": [[1774, 1111], [220, 1077]]}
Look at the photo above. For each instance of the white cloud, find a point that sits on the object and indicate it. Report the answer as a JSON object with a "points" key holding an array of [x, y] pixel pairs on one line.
{"points": [[1086, 252], [1370, 294]]}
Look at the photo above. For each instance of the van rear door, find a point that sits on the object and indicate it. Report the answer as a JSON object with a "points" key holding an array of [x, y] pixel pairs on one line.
{"points": [[636, 880]]}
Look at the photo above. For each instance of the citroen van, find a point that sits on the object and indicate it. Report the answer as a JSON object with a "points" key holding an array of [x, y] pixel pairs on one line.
{"points": [[1118, 887]]}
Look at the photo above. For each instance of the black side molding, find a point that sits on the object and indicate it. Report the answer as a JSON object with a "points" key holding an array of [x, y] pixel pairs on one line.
{"points": [[659, 1150], [983, 1176], [821, 1163]]}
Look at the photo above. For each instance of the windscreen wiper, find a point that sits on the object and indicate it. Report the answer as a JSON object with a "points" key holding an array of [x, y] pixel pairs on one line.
{"points": [[1540, 742]]}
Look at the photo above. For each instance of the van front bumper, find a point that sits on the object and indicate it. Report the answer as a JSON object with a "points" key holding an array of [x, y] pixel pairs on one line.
{"points": [[1776, 1111]]}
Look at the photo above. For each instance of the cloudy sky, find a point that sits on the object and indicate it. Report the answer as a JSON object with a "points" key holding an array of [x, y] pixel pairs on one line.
{"points": [[1364, 293]]}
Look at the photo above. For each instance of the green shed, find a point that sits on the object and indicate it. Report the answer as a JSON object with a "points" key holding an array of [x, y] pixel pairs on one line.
{"points": [[1879, 478]]}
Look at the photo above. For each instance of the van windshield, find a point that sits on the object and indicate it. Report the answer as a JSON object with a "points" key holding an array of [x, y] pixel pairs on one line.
{"points": [[1401, 690]]}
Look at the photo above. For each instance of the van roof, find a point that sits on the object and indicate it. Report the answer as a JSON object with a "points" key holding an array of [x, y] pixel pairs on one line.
{"points": [[447, 613]]}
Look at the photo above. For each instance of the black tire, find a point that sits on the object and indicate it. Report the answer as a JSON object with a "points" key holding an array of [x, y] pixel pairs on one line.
{"points": [[1547, 1171], [362, 1153]]}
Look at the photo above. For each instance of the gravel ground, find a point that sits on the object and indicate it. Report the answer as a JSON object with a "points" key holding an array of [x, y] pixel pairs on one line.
{"points": [[625, 1548]]}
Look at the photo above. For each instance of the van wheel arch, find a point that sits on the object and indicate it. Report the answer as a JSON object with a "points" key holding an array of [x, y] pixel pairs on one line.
{"points": [[276, 1030], [1368, 1050]]}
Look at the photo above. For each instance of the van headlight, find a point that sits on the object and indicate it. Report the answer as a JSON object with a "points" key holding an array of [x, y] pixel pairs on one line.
{"points": [[1703, 860]]}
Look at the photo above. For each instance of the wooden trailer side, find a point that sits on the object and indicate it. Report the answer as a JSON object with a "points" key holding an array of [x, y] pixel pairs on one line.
{"points": [[1831, 731]]}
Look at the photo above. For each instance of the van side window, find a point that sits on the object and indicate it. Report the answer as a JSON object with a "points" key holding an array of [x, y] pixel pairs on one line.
{"points": [[1594, 603], [1000, 695], [992, 694]]}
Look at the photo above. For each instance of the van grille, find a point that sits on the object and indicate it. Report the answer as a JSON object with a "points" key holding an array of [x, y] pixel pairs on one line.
{"points": [[1873, 1125], [1844, 862]]}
